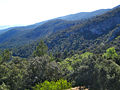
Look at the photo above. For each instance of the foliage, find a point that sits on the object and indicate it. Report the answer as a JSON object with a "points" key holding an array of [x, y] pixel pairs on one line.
{"points": [[6, 55], [93, 71], [20, 73], [4, 87], [41, 49], [13, 73], [87, 69], [41, 69], [58, 85], [111, 53]]}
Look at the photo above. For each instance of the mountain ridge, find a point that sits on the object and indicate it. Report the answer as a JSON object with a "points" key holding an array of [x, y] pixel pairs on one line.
{"points": [[36, 31], [84, 15], [86, 31], [81, 15]]}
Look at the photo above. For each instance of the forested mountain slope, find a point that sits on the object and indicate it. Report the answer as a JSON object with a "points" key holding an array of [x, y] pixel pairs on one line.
{"points": [[23, 35], [26, 34], [83, 35], [3, 31], [86, 36]]}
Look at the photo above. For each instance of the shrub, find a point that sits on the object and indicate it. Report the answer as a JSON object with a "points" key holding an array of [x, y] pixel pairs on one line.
{"points": [[4, 87], [58, 85]]}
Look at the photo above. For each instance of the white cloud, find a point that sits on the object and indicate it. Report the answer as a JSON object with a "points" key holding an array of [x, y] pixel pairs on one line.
{"points": [[31, 11]]}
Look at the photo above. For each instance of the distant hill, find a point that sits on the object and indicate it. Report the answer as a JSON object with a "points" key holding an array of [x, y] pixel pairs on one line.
{"points": [[23, 35], [26, 34], [17, 27], [84, 15], [3, 31], [84, 35], [4, 27]]}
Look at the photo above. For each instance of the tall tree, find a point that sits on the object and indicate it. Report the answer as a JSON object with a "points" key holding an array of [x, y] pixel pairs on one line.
{"points": [[41, 49]]}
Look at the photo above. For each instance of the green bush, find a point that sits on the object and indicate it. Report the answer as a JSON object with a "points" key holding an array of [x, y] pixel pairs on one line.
{"points": [[58, 85], [4, 87], [110, 53]]}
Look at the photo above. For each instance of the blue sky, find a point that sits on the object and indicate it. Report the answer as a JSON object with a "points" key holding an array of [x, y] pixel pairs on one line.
{"points": [[25, 12]]}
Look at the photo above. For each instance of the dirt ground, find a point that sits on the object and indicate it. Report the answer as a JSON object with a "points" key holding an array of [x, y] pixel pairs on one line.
{"points": [[78, 88]]}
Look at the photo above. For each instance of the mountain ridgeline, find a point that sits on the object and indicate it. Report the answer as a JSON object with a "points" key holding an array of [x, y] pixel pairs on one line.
{"points": [[83, 35], [84, 15], [27, 34]]}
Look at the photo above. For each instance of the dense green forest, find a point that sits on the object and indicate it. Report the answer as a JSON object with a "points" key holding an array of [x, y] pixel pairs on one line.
{"points": [[43, 71], [60, 54]]}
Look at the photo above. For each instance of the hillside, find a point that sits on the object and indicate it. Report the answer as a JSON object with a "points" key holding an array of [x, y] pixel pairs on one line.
{"points": [[23, 35], [3, 31], [83, 35], [26, 34]]}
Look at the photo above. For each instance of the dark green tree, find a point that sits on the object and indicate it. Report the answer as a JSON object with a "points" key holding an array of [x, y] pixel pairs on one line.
{"points": [[41, 49], [6, 55], [41, 69]]}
